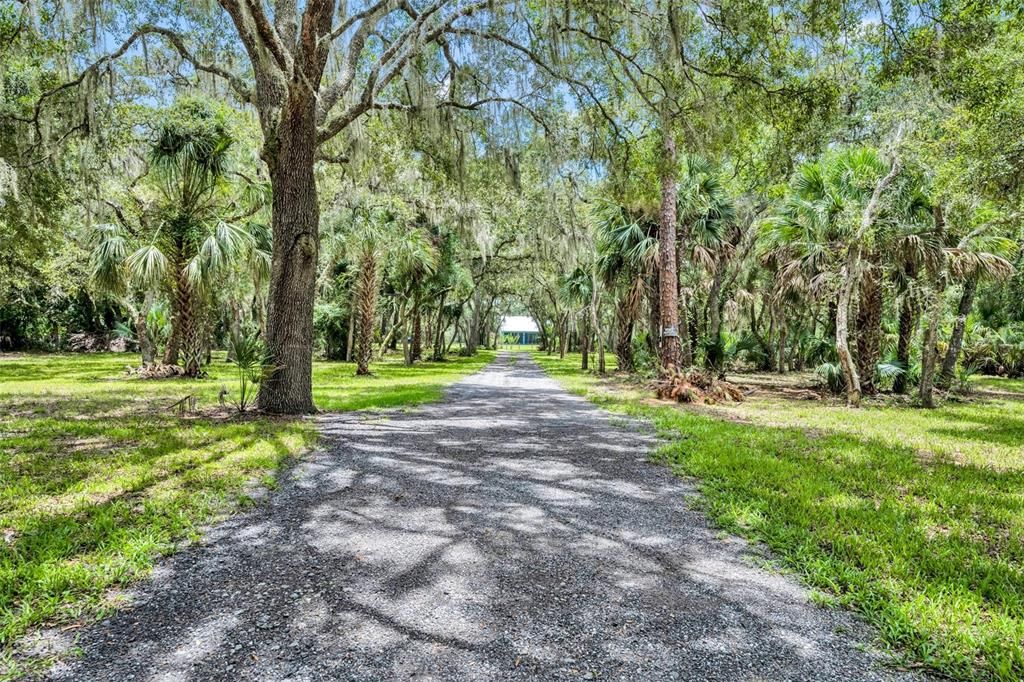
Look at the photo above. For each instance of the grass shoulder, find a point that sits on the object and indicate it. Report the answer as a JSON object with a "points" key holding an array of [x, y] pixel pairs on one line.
{"points": [[914, 518], [98, 478]]}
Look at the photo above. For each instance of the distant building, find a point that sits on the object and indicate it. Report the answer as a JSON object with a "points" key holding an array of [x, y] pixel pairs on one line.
{"points": [[522, 327]]}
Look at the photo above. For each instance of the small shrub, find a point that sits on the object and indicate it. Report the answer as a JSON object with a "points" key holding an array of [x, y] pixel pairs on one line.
{"points": [[252, 365]]}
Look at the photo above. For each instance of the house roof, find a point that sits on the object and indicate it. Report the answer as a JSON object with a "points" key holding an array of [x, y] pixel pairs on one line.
{"points": [[514, 324]]}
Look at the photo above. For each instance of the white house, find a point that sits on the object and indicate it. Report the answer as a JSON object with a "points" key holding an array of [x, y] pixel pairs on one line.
{"points": [[522, 327]]}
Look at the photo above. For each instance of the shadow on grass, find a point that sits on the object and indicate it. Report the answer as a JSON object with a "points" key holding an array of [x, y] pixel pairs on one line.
{"points": [[511, 531], [80, 522], [991, 427], [98, 477], [930, 552]]}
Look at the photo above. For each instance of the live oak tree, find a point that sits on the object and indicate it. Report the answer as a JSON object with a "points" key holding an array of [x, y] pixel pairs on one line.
{"points": [[315, 69]]}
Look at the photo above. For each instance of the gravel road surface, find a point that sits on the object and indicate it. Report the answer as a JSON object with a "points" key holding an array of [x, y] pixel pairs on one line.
{"points": [[511, 531]]}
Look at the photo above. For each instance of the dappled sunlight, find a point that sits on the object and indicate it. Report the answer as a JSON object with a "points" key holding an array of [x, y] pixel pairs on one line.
{"points": [[984, 432], [100, 478], [504, 529]]}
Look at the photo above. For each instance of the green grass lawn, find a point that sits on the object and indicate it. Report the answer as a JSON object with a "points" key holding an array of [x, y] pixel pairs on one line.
{"points": [[1001, 384], [914, 518], [98, 478]]}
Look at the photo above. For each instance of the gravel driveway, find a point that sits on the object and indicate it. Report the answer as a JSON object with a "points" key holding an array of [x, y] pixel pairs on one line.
{"points": [[511, 531]]}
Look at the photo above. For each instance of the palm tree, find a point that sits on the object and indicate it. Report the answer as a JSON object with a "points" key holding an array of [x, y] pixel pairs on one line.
{"points": [[983, 253], [832, 208], [707, 217], [359, 241], [911, 244], [414, 259], [576, 290], [187, 236], [801, 242], [627, 250]]}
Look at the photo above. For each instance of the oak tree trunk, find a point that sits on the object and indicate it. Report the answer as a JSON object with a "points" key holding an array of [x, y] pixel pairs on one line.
{"points": [[295, 219]]}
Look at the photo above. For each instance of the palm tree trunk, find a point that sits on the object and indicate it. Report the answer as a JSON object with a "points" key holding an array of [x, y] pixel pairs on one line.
{"points": [[417, 332], [173, 347], [908, 320], [848, 277], [956, 339], [366, 307], [185, 342], [929, 353], [869, 328]]}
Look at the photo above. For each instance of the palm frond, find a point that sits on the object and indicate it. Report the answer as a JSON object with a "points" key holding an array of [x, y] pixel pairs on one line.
{"points": [[148, 266]]}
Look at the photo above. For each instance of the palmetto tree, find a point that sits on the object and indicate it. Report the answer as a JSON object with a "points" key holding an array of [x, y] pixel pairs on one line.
{"points": [[360, 241], [985, 252], [627, 252], [382, 244], [707, 217], [911, 245], [826, 236], [413, 259], [576, 290], [185, 234]]}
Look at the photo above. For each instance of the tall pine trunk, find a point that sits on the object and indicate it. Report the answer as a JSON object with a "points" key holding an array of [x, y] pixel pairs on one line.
{"points": [[668, 292], [295, 218]]}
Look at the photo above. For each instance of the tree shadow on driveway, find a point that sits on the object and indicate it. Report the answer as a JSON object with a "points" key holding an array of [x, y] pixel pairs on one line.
{"points": [[512, 531]]}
